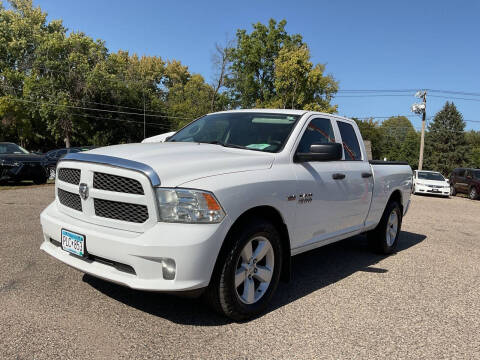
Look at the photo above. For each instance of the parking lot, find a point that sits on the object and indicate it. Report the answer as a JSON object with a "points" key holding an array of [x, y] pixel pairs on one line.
{"points": [[343, 301]]}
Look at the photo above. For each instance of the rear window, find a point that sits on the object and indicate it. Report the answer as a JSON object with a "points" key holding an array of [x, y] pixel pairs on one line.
{"points": [[351, 147]]}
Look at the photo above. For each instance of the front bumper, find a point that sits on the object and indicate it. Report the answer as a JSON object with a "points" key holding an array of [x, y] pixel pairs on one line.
{"points": [[193, 247], [422, 189]]}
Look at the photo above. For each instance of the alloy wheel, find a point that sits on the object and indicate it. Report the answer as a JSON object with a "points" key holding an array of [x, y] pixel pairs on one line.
{"points": [[392, 228], [254, 270]]}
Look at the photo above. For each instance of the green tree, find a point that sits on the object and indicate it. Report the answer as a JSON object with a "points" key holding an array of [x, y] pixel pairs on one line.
{"points": [[270, 68], [401, 141], [373, 132], [301, 85], [473, 140], [445, 143]]}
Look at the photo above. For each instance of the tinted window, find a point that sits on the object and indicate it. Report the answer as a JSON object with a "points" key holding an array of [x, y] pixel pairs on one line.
{"points": [[318, 131], [476, 174], [461, 172], [61, 152], [351, 147], [7, 148]]}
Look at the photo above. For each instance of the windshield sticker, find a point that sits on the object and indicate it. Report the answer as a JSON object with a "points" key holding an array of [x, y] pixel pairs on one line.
{"points": [[258, 146]]}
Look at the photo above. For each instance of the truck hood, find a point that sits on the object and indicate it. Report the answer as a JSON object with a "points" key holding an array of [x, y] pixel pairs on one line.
{"points": [[179, 162]]}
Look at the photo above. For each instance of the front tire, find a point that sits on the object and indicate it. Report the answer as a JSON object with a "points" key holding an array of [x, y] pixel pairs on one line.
{"points": [[384, 238], [248, 275], [453, 192], [472, 194], [40, 180]]}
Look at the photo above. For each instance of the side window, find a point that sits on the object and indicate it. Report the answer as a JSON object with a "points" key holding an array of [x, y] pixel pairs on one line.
{"points": [[461, 172], [318, 131], [351, 148]]}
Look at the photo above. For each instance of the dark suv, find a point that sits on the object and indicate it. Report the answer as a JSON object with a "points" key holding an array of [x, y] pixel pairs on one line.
{"points": [[465, 181]]}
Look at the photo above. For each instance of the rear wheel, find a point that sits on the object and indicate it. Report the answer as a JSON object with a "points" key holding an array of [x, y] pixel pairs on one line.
{"points": [[247, 277], [473, 194], [384, 238]]}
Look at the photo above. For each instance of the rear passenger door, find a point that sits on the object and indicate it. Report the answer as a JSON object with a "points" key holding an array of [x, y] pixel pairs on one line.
{"points": [[358, 182]]}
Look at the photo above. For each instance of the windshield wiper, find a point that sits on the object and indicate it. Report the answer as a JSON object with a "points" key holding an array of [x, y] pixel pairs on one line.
{"points": [[216, 142]]}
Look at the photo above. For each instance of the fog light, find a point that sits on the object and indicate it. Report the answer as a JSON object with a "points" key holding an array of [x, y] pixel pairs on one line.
{"points": [[168, 268]]}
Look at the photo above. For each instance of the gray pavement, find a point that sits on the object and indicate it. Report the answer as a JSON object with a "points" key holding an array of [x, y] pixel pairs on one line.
{"points": [[343, 302]]}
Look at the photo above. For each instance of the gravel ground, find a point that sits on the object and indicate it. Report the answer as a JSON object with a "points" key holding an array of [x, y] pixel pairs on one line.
{"points": [[344, 302]]}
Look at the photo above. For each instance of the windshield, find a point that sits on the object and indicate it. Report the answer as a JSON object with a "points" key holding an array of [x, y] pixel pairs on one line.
{"points": [[430, 176], [252, 131], [12, 149]]}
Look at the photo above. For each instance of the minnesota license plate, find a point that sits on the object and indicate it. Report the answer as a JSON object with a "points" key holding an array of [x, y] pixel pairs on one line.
{"points": [[73, 243]]}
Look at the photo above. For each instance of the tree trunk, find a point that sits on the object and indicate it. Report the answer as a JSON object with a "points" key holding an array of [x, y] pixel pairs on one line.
{"points": [[67, 141]]}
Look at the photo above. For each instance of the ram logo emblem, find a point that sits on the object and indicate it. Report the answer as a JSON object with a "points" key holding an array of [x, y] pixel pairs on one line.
{"points": [[83, 191]]}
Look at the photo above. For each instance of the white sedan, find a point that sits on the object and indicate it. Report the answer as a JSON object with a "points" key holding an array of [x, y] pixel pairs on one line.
{"points": [[430, 182]]}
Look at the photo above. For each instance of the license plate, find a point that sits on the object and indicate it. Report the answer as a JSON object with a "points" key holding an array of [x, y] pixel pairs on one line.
{"points": [[73, 242]]}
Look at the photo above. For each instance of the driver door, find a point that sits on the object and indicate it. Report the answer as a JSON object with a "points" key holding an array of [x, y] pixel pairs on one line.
{"points": [[321, 191]]}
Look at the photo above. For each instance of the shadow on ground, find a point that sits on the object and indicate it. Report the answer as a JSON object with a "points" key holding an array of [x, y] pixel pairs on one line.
{"points": [[311, 271]]}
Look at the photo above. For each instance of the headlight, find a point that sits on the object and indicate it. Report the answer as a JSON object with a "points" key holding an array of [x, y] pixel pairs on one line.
{"points": [[188, 206]]}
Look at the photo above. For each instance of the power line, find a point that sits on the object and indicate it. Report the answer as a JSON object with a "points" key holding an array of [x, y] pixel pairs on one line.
{"points": [[101, 110], [113, 105], [456, 92], [454, 97], [164, 127]]}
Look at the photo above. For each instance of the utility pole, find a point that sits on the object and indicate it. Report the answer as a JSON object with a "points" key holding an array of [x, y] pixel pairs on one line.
{"points": [[144, 123], [421, 108]]}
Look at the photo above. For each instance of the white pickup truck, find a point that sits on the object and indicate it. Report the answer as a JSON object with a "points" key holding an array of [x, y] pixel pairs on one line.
{"points": [[220, 207]]}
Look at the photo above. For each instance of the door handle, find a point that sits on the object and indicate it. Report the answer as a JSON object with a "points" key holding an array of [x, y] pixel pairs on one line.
{"points": [[366, 175], [338, 176]]}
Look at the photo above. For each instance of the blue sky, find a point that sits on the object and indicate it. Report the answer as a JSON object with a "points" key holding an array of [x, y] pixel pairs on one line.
{"points": [[399, 44]]}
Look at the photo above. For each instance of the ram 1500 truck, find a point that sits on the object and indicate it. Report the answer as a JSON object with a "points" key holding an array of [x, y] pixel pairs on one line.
{"points": [[220, 207]]}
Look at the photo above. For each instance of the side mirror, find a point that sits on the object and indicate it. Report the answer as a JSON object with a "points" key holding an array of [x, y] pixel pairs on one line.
{"points": [[321, 152]]}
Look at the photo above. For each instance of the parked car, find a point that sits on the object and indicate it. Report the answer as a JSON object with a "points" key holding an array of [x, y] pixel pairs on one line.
{"points": [[52, 157], [431, 183], [17, 164], [465, 181], [222, 205]]}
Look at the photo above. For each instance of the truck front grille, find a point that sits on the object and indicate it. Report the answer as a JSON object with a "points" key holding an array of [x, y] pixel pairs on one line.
{"points": [[120, 210], [70, 199], [71, 176], [116, 183]]}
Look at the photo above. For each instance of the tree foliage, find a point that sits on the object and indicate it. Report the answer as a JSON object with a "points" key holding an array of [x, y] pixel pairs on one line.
{"points": [[270, 68], [372, 131], [401, 141], [445, 143], [58, 87]]}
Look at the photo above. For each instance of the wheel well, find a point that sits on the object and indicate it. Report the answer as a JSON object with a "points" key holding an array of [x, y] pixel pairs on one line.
{"points": [[396, 196], [271, 214]]}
